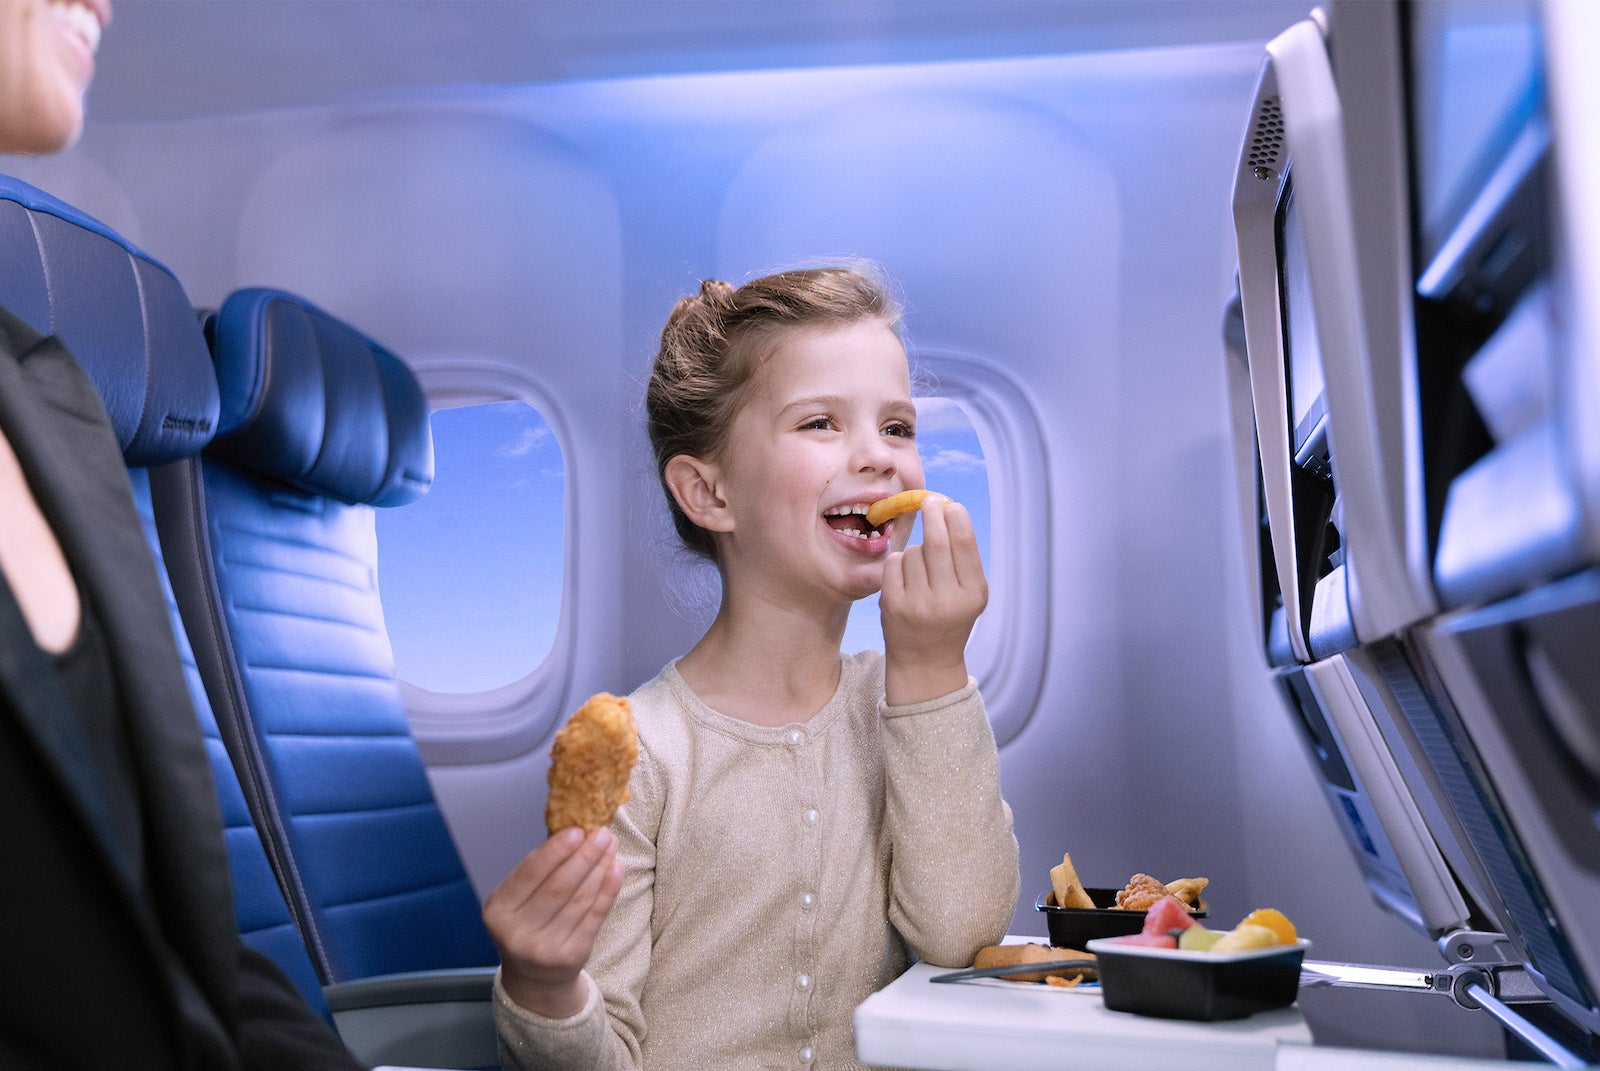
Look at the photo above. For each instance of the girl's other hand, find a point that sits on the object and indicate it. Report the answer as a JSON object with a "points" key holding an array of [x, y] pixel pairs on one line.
{"points": [[544, 916], [932, 594]]}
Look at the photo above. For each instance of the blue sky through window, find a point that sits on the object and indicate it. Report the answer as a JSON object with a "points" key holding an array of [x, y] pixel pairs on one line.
{"points": [[471, 573]]}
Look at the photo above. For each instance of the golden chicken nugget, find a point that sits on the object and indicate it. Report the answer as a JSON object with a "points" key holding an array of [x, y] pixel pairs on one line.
{"points": [[590, 761], [1141, 892], [1067, 886], [888, 508]]}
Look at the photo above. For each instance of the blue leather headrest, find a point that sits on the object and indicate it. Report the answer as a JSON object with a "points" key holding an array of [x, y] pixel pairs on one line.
{"points": [[122, 315], [309, 400]]}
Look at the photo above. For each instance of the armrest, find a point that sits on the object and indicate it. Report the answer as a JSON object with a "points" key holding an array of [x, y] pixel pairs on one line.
{"points": [[440, 1019]]}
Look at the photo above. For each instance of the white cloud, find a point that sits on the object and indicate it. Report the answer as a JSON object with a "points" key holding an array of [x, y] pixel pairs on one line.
{"points": [[952, 461], [940, 414], [524, 443]]}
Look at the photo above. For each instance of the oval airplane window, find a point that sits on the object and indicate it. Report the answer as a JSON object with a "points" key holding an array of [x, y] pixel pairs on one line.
{"points": [[471, 573], [953, 464]]}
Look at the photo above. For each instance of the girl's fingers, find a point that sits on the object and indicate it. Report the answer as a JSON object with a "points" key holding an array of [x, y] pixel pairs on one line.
{"points": [[894, 576], [936, 549], [535, 869], [964, 556], [598, 854], [579, 917], [556, 921], [610, 887], [550, 876], [595, 903]]}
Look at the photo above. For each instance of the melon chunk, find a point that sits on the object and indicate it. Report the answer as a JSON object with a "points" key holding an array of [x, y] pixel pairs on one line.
{"points": [[1198, 939]]}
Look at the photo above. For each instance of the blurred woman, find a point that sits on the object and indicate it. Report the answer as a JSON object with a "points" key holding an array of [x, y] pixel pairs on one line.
{"points": [[119, 946]]}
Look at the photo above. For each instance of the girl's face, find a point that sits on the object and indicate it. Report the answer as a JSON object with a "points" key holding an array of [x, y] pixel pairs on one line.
{"points": [[47, 52], [827, 427]]}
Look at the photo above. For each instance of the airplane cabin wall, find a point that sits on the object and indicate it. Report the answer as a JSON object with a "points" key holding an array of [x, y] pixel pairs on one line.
{"points": [[1059, 224]]}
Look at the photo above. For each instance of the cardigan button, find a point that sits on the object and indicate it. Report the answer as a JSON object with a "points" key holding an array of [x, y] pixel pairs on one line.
{"points": [[794, 737], [807, 1054]]}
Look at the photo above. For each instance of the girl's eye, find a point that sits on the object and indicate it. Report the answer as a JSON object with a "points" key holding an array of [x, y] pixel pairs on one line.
{"points": [[817, 424], [904, 431]]}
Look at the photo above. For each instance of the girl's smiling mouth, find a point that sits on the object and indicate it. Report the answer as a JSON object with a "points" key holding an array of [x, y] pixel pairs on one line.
{"points": [[850, 522]]}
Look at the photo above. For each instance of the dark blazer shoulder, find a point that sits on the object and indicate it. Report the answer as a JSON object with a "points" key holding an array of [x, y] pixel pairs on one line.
{"points": [[57, 425]]}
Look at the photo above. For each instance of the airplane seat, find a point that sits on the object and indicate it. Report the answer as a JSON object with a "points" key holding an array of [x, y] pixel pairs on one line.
{"points": [[127, 321], [271, 532]]}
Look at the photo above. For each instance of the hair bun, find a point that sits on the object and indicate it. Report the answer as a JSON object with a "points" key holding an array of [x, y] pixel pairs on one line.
{"points": [[714, 300], [716, 293]]}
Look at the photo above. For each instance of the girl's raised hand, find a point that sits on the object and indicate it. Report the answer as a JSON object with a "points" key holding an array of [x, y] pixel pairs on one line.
{"points": [[932, 594], [544, 916]]}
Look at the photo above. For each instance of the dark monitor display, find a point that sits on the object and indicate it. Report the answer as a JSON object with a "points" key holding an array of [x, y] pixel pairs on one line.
{"points": [[1476, 82], [1303, 354]]}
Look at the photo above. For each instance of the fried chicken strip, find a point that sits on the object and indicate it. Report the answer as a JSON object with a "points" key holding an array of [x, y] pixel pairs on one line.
{"points": [[590, 761]]}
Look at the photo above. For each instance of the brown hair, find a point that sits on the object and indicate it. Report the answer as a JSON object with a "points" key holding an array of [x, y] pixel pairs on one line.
{"points": [[715, 341]]}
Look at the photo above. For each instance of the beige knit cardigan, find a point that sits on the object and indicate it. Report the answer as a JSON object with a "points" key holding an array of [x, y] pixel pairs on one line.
{"points": [[776, 877]]}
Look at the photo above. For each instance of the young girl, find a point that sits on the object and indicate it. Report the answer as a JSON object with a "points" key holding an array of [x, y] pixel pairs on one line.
{"points": [[802, 822]]}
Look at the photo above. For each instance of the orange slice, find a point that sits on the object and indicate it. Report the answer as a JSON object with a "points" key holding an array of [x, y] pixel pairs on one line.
{"points": [[1275, 921]]}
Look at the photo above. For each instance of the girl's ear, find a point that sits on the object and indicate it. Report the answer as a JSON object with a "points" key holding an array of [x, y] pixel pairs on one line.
{"points": [[694, 484]]}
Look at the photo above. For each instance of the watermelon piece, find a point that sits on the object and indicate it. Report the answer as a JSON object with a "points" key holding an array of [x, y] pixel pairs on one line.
{"points": [[1167, 914], [1150, 940]]}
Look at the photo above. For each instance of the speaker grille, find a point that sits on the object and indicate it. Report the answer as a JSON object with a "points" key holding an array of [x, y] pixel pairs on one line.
{"points": [[1266, 136]]}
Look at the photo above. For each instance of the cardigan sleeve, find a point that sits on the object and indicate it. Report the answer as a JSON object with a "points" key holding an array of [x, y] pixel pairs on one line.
{"points": [[953, 878], [529, 1041]]}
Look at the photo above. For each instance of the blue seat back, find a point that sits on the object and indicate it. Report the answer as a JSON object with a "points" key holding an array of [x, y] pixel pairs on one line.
{"points": [[319, 425], [128, 322]]}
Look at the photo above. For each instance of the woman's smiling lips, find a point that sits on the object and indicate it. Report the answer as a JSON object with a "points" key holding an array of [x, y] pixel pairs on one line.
{"points": [[80, 23]]}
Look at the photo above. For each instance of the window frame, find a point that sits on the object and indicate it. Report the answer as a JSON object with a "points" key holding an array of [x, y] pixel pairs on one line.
{"points": [[464, 728], [1006, 653]]}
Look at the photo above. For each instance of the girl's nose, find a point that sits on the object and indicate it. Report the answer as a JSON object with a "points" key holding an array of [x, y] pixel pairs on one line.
{"points": [[873, 454]]}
